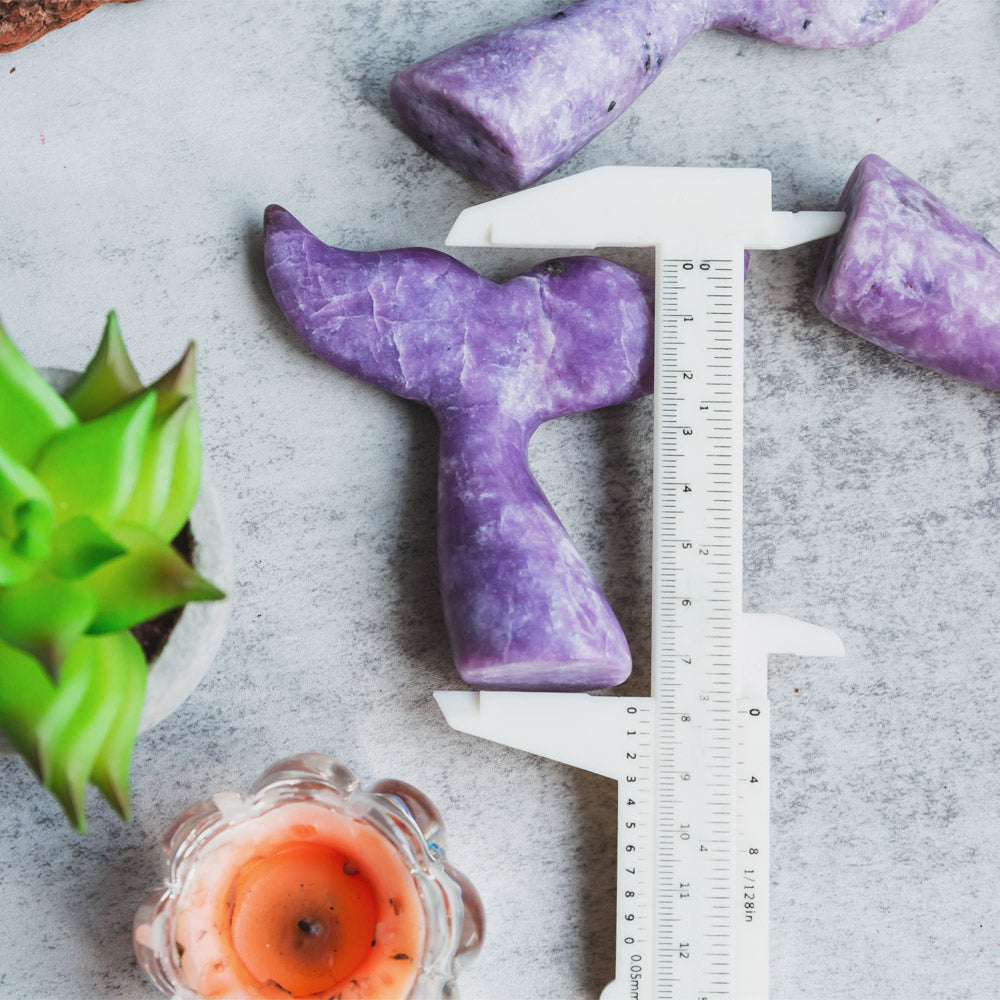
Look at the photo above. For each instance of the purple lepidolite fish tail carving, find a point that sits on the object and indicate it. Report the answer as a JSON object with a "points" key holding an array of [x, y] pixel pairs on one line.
{"points": [[492, 362], [508, 106]]}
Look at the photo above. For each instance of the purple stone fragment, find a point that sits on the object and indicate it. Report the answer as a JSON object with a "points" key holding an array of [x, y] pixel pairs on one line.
{"points": [[907, 274], [509, 106], [492, 362]]}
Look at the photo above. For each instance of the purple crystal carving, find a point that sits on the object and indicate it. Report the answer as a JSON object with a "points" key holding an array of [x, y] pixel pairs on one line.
{"points": [[492, 362], [509, 106], [907, 274]]}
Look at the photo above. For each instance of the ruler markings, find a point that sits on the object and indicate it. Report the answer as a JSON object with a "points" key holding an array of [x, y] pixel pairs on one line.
{"points": [[694, 787]]}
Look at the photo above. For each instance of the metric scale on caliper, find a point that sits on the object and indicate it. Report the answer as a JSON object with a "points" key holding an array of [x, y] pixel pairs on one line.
{"points": [[692, 760]]}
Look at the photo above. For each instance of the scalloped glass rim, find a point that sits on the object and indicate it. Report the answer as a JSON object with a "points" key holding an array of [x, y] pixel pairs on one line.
{"points": [[196, 637], [403, 815]]}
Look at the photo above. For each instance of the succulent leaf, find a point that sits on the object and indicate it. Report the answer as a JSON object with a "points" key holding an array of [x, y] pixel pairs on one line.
{"points": [[17, 486], [92, 468], [111, 768], [186, 479], [35, 516], [108, 380], [176, 385], [13, 569], [67, 696], [79, 546], [67, 723], [148, 502], [31, 411], [34, 525], [44, 617], [150, 579], [68, 755], [25, 693]]}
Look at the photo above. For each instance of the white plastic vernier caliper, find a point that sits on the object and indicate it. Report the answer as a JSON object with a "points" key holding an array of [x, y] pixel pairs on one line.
{"points": [[692, 761]]}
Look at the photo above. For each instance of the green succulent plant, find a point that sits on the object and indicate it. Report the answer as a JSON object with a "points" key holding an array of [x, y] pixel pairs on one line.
{"points": [[94, 486]]}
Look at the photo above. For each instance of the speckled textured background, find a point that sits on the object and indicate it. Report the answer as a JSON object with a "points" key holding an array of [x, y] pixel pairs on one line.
{"points": [[139, 148]]}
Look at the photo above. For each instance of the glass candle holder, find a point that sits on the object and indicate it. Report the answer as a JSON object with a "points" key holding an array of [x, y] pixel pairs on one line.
{"points": [[310, 886]]}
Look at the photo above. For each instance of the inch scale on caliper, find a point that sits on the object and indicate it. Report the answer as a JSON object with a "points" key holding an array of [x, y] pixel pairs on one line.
{"points": [[691, 760]]}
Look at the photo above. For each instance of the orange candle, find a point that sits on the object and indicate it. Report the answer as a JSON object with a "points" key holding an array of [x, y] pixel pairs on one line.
{"points": [[300, 901], [303, 918], [310, 888]]}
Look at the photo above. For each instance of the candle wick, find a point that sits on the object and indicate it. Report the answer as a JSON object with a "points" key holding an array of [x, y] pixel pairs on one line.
{"points": [[307, 928]]}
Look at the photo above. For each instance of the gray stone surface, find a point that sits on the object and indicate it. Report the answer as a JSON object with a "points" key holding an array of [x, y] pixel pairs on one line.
{"points": [[139, 148]]}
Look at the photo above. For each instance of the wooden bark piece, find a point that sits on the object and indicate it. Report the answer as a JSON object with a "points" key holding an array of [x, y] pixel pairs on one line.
{"points": [[23, 21]]}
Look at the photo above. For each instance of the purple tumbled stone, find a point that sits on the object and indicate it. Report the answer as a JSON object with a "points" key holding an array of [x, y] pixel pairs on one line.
{"points": [[509, 106], [492, 362], [908, 274]]}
